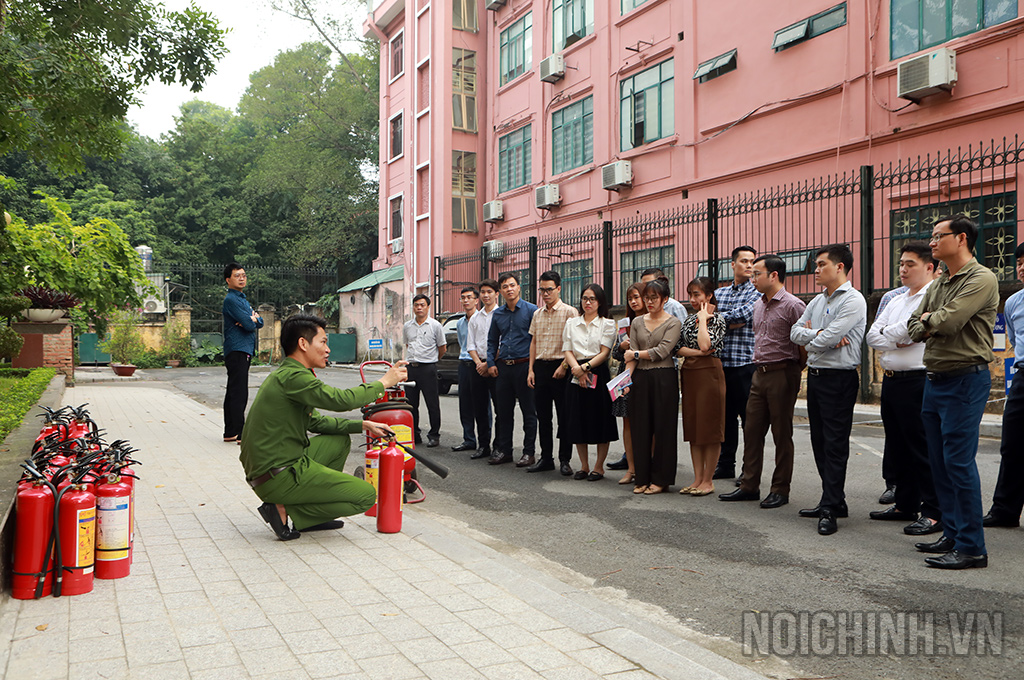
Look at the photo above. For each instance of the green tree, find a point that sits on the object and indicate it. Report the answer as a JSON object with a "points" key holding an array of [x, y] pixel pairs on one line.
{"points": [[69, 71]]}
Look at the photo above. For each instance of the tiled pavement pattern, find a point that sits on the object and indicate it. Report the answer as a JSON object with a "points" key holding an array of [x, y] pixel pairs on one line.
{"points": [[213, 594]]}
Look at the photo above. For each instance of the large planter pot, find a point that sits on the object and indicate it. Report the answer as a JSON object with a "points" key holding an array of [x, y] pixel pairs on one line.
{"points": [[43, 315], [173, 363], [123, 370]]}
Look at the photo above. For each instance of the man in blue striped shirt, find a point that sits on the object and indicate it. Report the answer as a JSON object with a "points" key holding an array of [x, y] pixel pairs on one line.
{"points": [[240, 326]]}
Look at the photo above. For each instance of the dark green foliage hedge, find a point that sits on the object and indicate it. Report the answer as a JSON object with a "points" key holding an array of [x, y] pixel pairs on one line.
{"points": [[20, 389]]}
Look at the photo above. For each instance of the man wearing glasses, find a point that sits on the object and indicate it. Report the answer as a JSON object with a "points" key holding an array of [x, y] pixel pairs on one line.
{"points": [[547, 375], [955, 321]]}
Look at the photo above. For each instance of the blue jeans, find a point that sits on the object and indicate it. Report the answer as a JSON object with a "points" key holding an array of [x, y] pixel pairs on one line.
{"points": [[951, 411]]}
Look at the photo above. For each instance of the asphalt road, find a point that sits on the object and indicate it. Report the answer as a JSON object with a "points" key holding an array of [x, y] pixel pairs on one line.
{"points": [[734, 572]]}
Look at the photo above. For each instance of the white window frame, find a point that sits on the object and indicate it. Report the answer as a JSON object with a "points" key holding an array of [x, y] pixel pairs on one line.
{"points": [[391, 138], [400, 196], [391, 56]]}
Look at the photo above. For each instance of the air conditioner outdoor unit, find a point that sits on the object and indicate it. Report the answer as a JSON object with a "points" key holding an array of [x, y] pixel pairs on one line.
{"points": [[495, 250], [495, 5], [154, 305], [548, 196], [494, 211], [397, 245], [552, 68], [926, 75], [617, 175]]}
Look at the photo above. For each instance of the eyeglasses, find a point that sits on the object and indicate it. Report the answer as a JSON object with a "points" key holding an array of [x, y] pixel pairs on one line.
{"points": [[546, 291], [652, 299], [588, 299], [937, 236]]}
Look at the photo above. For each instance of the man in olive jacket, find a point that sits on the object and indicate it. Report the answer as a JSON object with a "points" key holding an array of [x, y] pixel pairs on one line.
{"points": [[297, 476]]}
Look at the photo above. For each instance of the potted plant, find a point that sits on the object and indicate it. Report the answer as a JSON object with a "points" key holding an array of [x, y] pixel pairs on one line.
{"points": [[47, 304], [177, 342], [124, 343]]}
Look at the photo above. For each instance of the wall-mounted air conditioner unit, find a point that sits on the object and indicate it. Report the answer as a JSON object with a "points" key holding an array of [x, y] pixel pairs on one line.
{"points": [[397, 245], [552, 68], [548, 196], [154, 305], [494, 211], [617, 175], [926, 75], [494, 250], [495, 5]]}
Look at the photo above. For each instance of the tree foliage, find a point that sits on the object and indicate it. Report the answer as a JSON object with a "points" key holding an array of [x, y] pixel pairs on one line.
{"points": [[69, 71]]}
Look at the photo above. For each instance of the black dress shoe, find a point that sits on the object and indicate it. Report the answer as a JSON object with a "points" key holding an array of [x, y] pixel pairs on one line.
{"points": [[464, 446], [739, 495], [923, 526], [432, 442], [270, 515], [943, 545], [542, 465], [565, 469], [957, 560], [499, 458], [723, 473], [325, 526], [774, 500], [827, 523], [621, 464], [482, 452], [525, 461], [841, 512], [991, 520], [888, 496], [893, 513]]}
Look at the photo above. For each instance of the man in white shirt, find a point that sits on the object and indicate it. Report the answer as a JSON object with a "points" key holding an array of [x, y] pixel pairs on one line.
{"points": [[483, 384], [902, 360], [425, 344]]}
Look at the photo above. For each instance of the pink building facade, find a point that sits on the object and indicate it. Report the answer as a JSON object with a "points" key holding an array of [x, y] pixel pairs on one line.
{"points": [[600, 138]]}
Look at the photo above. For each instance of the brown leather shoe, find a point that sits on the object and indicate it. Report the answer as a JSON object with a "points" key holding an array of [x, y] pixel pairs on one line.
{"points": [[525, 461]]}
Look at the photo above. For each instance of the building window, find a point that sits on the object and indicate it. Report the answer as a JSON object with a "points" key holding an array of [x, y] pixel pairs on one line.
{"points": [[712, 68], [396, 218], [514, 159], [574, 275], [646, 105], [917, 24], [635, 262], [464, 15], [396, 136], [811, 27], [397, 56], [572, 135], [516, 54], [464, 89], [571, 20], [630, 5], [996, 216], [463, 191]]}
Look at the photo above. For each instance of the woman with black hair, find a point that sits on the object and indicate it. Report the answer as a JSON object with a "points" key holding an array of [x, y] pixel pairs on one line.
{"points": [[587, 342], [654, 395], [634, 307]]}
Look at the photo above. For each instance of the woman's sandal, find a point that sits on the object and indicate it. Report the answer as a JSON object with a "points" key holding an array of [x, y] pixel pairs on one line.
{"points": [[686, 490], [627, 479], [639, 489], [654, 489]]}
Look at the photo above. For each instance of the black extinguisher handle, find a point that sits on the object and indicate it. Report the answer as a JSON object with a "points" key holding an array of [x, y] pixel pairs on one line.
{"points": [[438, 469]]}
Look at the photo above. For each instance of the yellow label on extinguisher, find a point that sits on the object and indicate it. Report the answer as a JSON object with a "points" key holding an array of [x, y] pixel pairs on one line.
{"points": [[403, 434], [86, 523]]}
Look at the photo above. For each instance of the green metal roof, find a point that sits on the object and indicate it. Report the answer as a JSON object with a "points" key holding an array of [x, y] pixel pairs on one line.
{"points": [[396, 273]]}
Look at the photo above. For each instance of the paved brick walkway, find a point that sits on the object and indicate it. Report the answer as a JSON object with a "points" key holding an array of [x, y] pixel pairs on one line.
{"points": [[213, 594]]}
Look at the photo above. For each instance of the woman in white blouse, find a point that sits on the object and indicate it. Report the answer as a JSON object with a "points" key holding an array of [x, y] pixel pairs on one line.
{"points": [[587, 342]]}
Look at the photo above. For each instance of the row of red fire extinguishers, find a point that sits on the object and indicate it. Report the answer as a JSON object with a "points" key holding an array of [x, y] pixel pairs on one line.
{"points": [[75, 509]]}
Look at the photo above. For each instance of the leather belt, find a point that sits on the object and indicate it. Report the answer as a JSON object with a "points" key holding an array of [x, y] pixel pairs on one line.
{"points": [[915, 373], [774, 366], [956, 372], [417, 364], [828, 371], [513, 362], [267, 476]]}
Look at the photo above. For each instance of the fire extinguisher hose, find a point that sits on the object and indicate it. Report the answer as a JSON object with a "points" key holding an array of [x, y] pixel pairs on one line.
{"points": [[438, 469]]}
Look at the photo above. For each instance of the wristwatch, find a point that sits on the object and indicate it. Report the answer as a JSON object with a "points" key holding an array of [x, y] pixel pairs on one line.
{"points": [[636, 355]]}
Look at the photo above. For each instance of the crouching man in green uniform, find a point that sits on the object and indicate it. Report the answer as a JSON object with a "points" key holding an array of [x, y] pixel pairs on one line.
{"points": [[296, 476]]}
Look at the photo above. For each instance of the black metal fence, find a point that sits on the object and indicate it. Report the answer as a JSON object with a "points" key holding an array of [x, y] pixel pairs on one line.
{"points": [[202, 287], [873, 209]]}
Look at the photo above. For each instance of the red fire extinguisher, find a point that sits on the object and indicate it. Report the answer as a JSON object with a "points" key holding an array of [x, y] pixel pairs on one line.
{"points": [[33, 543], [76, 537], [113, 528], [389, 489]]}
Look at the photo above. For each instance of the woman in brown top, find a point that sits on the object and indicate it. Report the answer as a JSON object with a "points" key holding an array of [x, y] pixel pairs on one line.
{"points": [[703, 383], [654, 396]]}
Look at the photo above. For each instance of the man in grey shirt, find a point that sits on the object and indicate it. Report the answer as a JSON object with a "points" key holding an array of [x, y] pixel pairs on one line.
{"points": [[425, 344], [832, 329]]}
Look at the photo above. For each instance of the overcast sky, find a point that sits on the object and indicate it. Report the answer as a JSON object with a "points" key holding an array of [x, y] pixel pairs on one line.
{"points": [[257, 34]]}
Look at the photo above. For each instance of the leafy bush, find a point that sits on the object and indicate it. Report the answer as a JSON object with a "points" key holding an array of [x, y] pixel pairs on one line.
{"points": [[48, 298], [209, 353], [177, 342], [124, 344], [151, 359], [20, 390]]}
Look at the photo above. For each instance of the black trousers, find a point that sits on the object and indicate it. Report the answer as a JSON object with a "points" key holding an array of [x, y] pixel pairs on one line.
{"points": [[511, 386], [425, 377], [1008, 499], [831, 395], [485, 395], [653, 410], [236, 395], [737, 389], [550, 392], [467, 369], [906, 446]]}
